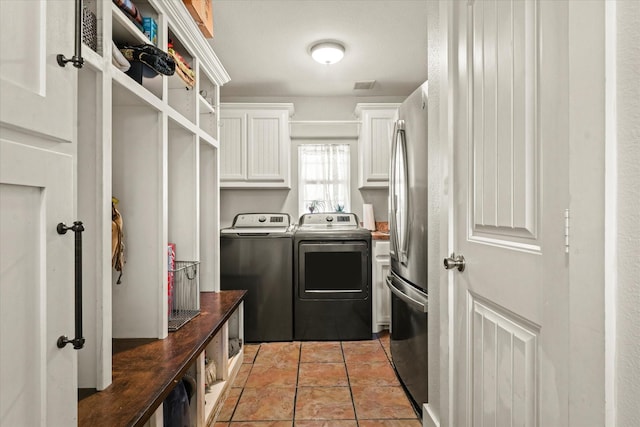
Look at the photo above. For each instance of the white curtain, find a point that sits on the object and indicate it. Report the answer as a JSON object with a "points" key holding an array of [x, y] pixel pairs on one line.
{"points": [[323, 178]]}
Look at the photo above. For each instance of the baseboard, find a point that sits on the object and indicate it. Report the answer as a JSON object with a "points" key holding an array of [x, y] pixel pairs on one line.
{"points": [[429, 419]]}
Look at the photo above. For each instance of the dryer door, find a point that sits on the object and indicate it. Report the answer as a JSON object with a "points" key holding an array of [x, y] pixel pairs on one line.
{"points": [[333, 270]]}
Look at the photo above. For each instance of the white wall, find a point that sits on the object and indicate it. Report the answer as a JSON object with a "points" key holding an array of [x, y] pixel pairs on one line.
{"points": [[236, 201], [627, 360]]}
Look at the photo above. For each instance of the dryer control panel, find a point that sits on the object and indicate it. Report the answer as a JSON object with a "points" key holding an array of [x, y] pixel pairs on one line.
{"points": [[336, 219]]}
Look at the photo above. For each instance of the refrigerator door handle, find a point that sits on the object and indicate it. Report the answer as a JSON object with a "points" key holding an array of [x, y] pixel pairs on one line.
{"points": [[404, 297], [404, 242], [393, 197]]}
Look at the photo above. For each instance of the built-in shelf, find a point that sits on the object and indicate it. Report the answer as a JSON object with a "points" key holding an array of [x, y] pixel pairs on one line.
{"points": [[146, 143]]}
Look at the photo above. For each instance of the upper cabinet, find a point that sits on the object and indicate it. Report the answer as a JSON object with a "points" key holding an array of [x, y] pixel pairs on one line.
{"points": [[374, 143], [255, 145]]}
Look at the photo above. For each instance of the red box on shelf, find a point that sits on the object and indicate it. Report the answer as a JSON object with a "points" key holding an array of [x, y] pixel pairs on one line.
{"points": [[171, 266]]}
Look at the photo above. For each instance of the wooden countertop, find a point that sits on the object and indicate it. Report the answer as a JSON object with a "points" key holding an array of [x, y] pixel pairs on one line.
{"points": [[145, 370], [379, 235], [382, 231]]}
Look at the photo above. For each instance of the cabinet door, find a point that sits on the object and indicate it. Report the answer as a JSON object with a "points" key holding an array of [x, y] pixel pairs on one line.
{"points": [[38, 380], [37, 94], [382, 297], [268, 146], [375, 145], [383, 265], [233, 146]]}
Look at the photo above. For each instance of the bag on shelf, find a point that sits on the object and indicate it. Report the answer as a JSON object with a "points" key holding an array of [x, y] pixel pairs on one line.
{"points": [[117, 239], [156, 59]]}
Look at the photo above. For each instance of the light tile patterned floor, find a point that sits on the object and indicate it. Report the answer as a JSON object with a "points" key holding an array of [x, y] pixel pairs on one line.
{"points": [[318, 384]]}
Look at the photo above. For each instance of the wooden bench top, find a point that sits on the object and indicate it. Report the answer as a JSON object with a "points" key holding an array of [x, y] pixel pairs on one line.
{"points": [[146, 370]]}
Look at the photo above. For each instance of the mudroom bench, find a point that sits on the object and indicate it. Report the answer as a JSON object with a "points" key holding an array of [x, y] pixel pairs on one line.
{"points": [[146, 370]]}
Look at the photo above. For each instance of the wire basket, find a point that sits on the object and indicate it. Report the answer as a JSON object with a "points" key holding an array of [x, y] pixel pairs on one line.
{"points": [[89, 29], [184, 293]]}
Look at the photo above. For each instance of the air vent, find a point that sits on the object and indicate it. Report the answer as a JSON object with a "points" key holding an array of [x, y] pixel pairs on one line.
{"points": [[364, 85]]}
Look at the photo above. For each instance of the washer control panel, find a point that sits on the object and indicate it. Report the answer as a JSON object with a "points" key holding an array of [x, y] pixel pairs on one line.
{"points": [[254, 220]]}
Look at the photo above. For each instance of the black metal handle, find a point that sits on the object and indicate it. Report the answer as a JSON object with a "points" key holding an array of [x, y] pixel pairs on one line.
{"points": [[76, 59], [77, 228]]}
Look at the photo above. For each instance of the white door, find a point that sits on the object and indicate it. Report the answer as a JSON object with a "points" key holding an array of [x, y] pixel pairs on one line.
{"points": [[37, 160], [510, 192]]}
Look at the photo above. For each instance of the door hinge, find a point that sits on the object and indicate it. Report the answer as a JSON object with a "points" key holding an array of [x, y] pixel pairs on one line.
{"points": [[566, 231]]}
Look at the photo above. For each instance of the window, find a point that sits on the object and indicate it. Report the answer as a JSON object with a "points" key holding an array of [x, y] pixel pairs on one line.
{"points": [[323, 178]]}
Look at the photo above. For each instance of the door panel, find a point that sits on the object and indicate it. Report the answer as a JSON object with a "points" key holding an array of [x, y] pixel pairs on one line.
{"points": [[383, 297], [503, 365], [36, 296], [266, 146], [510, 191], [506, 176], [37, 94], [233, 147], [23, 301]]}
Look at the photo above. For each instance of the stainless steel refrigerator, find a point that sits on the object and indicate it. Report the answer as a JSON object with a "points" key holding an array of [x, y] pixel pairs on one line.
{"points": [[408, 236]]}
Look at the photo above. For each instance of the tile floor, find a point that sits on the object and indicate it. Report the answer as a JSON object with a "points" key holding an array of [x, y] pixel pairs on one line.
{"points": [[317, 384]]}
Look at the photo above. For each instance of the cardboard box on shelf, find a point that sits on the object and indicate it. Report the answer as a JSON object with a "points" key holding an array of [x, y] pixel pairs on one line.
{"points": [[202, 13]]}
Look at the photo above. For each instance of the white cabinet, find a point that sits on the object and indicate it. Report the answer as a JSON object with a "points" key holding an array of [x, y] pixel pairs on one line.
{"points": [[381, 294], [255, 145], [153, 144], [374, 143]]}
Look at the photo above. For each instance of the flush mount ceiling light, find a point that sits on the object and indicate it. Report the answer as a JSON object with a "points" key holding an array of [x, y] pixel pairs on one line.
{"points": [[327, 52]]}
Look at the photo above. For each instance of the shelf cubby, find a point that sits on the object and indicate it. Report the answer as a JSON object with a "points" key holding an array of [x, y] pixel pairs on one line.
{"points": [[227, 368], [208, 118], [139, 310], [124, 31], [208, 98], [181, 96], [209, 217], [183, 192]]}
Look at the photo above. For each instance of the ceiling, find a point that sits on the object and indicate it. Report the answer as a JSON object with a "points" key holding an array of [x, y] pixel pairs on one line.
{"points": [[264, 46]]}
